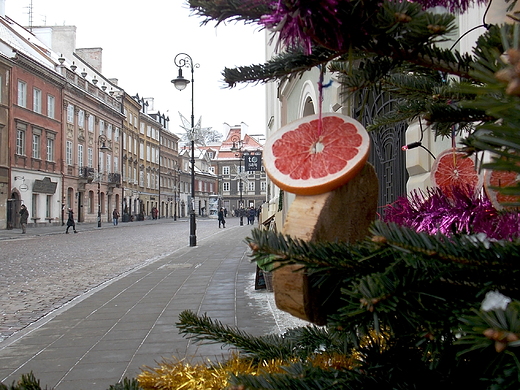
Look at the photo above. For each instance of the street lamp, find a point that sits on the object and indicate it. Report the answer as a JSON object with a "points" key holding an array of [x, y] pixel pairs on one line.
{"points": [[182, 60], [101, 146], [238, 153]]}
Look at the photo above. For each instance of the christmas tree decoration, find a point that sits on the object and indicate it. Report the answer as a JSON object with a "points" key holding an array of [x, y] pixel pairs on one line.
{"points": [[464, 211], [343, 214], [414, 282]]}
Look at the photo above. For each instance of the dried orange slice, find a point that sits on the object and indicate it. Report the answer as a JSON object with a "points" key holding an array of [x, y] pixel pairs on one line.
{"points": [[453, 168], [310, 157], [501, 179]]}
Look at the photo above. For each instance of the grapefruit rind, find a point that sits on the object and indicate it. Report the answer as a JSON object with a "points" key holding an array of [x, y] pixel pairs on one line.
{"points": [[453, 168], [300, 160], [499, 179]]}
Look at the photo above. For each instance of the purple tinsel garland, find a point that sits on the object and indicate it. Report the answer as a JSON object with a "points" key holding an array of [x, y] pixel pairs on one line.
{"points": [[300, 22], [464, 212]]}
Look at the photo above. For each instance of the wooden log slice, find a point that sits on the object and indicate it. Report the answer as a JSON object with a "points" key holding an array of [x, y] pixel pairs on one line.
{"points": [[344, 214]]}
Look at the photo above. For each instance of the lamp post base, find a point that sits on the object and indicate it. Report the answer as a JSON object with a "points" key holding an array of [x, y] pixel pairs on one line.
{"points": [[193, 236]]}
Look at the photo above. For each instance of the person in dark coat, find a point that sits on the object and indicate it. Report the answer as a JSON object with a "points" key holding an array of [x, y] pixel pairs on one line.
{"points": [[251, 216], [221, 220], [70, 222], [24, 215]]}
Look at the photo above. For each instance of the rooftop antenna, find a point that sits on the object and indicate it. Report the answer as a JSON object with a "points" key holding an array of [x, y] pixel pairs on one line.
{"points": [[30, 13]]}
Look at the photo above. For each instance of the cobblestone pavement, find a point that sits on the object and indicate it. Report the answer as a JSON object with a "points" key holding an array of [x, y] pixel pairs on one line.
{"points": [[40, 273]]}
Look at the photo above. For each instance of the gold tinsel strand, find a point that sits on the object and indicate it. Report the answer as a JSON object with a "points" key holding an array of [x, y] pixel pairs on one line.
{"points": [[177, 374]]}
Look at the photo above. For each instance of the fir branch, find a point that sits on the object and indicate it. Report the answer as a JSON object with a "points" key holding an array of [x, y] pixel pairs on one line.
{"points": [[203, 328], [231, 10], [302, 376], [281, 67]]}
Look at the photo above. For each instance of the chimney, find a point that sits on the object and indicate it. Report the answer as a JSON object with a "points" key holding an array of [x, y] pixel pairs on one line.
{"points": [[2, 8]]}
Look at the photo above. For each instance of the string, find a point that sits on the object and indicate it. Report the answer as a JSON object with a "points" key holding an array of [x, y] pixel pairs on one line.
{"points": [[320, 99]]}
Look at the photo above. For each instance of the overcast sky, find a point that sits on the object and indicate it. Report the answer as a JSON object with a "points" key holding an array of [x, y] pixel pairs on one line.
{"points": [[140, 41]]}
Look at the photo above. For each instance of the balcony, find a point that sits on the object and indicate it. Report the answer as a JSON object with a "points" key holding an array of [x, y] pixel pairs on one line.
{"points": [[114, 179], [87, 174]]}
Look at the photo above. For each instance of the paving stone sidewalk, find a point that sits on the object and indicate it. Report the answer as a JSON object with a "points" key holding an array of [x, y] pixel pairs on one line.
{"points": [[120, 327]]}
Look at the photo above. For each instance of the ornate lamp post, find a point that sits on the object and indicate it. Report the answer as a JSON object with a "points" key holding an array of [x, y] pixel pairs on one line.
{"points": [[101, 146], [184, 60], [238, 153]]}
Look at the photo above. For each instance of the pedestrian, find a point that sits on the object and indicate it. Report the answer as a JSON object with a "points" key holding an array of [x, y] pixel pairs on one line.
{"points": [[221, 220], [24, 215], [251, 216], [70, 222], [115, 217]]}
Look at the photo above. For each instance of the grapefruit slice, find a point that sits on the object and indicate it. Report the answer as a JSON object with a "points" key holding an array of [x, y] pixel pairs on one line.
{"points": [[500, 179], [453, 168], [307, 157]]}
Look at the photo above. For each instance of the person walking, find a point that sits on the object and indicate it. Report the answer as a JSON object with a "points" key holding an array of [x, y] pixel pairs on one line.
{"points": [[70, 222], [24, 215], [115, 217], [221, 220], [251, 216]]}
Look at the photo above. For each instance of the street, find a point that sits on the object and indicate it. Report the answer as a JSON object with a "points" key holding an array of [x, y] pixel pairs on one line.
{"points": [[39, 274]]}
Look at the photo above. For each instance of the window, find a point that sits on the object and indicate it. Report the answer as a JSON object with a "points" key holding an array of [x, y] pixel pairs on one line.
{"points": [[148, 153], [251, 186], [109, 131], [90, 158], [51, 106], [36, 145], [109, 163], [101, 126], [101, 161], [37, 100], [225, 170], [91, 202], [70, 113], [141, 150], [80, 155], [81, 119], [263, 186], [148, 180], [116, 134], [149, 131], [22, 93], [20, 141], [141, 178], [116, 164], [141, 128], [50, 149], [68, 153], [225, 186], [91, 123], [48, 206], [34, 209]]}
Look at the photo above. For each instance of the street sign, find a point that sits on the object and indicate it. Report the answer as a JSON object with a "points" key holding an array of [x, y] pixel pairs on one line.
{"points": [[253, 161]]}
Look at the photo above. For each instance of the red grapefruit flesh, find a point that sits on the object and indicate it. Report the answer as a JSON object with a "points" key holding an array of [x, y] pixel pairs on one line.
{"points": [[501, 179], [453, 168], [307, 159]]}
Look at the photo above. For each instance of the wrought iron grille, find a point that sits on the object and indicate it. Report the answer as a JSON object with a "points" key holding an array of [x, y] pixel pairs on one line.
{"points": [[385, 150]]}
